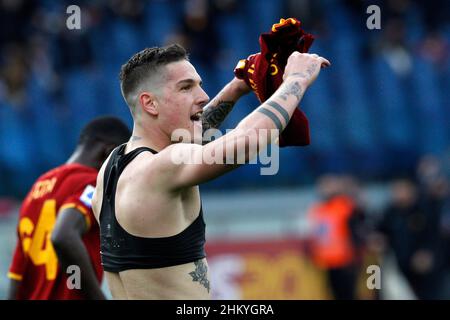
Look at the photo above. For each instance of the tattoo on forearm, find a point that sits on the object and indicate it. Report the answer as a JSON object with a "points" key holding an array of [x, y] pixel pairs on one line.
{"points": [[213, 116], [200, 274], [311, 69], [280, 109], [292, 89], [298, 74], [272, 117]]}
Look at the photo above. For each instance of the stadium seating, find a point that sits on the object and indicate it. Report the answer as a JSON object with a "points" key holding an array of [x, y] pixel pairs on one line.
{"points": [[364, 117]]}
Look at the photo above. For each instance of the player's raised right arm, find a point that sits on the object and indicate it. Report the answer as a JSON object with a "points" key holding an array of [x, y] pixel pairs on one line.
{"points": [[301, 71]]}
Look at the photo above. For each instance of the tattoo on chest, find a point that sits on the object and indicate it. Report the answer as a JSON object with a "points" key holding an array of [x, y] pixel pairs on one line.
{"points": [[200, 274]]}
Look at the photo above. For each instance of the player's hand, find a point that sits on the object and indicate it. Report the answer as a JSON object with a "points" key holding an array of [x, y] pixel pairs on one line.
{"points": [[305, 66], [241, 87]]}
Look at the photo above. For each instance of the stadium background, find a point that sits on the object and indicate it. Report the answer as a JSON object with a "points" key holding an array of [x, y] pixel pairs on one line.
{"points": [[375, 115]]}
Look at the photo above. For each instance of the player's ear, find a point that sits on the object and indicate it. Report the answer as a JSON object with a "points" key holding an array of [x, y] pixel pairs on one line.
{"points": [[148, 103]]}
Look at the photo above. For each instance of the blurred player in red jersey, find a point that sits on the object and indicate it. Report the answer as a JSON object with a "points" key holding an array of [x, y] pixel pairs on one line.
{"points": [[56, 226]]}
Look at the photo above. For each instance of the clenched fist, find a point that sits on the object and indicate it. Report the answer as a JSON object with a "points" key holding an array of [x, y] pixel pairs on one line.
{"points": [[305, 65]]}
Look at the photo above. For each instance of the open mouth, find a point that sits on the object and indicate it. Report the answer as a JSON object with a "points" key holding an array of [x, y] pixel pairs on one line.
{"points": [[196, 116]]}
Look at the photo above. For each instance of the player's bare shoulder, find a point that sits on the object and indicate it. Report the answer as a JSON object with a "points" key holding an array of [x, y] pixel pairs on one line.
{"points": [[174, 158], [178, 154]]}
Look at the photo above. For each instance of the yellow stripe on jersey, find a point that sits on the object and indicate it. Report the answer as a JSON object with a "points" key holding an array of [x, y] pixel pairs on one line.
{"points": [[79, 208], [15, 276]]}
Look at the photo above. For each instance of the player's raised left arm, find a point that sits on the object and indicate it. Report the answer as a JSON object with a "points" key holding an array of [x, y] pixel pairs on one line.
{"points": [[215, 112]]}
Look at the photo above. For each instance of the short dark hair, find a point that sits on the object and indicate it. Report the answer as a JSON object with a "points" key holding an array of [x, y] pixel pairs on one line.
{"points": [[105, 129], [145, 63]]}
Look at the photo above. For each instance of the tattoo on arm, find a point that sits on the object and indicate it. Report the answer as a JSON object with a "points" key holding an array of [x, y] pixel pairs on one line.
{"points": [[281, 110], [272, 117], [311, 69], [292, 89], [200, 274], [213, 116], [135, 138]]}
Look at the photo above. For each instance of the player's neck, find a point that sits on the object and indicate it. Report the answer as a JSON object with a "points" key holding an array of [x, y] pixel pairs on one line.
{"points": [[79, 156], [147, 138]]}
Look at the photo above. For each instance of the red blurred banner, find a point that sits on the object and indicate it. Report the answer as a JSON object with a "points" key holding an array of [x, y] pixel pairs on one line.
{"points": [[264, 269], [268, 269]]}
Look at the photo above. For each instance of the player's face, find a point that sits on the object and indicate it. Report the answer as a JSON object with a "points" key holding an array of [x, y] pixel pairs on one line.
{"points": [[183, 100]]}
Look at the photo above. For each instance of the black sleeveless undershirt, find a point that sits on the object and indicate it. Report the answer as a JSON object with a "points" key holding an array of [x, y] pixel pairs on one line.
{"points": [[122, 251]]}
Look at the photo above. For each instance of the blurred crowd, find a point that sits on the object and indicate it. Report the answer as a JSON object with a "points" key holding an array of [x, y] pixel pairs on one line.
{"points": [[41, 44], [414, 226], [387, 88], [34, 37]]}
